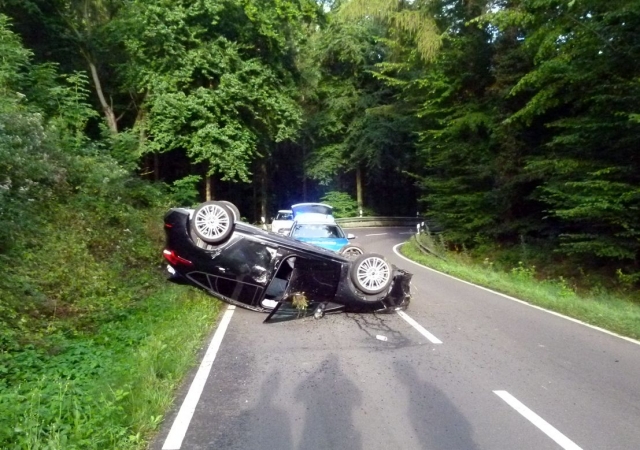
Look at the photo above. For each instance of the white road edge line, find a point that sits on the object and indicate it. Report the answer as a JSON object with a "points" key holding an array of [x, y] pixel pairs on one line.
{"points": [[182, 420], [377, 234], [420, 328], [610, 333], [538, 421]]}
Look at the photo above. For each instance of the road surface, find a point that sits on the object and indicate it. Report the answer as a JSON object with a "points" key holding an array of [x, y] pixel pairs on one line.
{"points": [[464, 368]]}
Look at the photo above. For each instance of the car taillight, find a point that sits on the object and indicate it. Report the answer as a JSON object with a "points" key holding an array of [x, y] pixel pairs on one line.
{"points": [[174, 259]]}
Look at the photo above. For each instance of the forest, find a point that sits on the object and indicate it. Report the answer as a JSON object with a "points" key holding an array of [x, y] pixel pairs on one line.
{"points": [[505, 122], [513, 125]]}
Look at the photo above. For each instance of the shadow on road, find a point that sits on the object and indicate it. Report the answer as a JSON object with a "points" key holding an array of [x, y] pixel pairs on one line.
{"points": [[436, 421], [329, 397], [276, 433], [264, 426]]}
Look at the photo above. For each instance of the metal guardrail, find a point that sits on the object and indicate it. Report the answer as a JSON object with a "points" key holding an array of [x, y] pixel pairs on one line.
{"points": [[361, 222]]}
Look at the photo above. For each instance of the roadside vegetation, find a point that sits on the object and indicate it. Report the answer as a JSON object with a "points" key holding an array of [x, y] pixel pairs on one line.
{"points": [[513, 125], [523, 275], [93, 340]]}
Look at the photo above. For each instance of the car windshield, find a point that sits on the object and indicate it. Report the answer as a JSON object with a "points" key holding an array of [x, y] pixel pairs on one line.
{"points": [[304, 230], [284, 216]]}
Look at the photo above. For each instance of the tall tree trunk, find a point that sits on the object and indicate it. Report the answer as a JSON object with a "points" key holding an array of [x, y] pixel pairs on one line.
{"points": [[112, 122], [359, 188], [209, 188], [263, 192]]}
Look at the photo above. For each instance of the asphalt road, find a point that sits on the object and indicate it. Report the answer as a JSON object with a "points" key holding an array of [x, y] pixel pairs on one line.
{"points": [[505, 376]]}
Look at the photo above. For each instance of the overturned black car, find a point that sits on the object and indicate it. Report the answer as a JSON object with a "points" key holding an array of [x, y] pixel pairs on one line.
{"points": [[208, 247]]}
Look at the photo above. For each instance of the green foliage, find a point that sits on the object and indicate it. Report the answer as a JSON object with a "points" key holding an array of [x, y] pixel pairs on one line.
{"points": [[353, 120], [343, 204], [412, 18], [108, 388], [184, 190], [529, 129], [14, 59], [76, 300], [459, 148], [71, 111], [31, 164], [80, 298], [519, 126], [210, 89], [521, 272]]}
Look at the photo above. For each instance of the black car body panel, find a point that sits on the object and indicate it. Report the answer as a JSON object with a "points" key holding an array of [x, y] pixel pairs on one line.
{"points": [[257, 269]]}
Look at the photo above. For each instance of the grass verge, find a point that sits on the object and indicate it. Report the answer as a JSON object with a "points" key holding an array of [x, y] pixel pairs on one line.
{"points": [[109, 388], [600, 308]]}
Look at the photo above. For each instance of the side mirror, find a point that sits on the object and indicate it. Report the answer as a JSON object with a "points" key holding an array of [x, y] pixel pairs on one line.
{"points": [[351, 236]]}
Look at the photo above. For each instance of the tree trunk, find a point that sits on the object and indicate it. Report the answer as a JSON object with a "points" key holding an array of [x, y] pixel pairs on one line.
{"points": [[112, 122], [359, 188], [209, 188], [263, 193]]}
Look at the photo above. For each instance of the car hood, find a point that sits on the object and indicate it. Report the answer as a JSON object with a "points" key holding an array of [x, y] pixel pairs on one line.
{"points": [[332, 244]]}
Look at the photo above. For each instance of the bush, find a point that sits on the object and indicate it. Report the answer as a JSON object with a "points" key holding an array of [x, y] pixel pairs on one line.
{"points": [[343, 204]]}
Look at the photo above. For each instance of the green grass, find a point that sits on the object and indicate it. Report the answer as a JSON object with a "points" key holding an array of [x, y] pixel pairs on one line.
{"points": [[93, 340], [600, 307], [109, 389]]}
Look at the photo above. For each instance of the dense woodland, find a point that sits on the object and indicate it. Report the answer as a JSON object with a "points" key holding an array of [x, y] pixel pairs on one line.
{"points": [[505, 122], [514, 125]]}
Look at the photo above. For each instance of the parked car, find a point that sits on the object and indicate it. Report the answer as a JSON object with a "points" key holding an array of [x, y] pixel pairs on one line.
{"points": [[320, 211], [283, 221], [324, 233], [314, 223], [209, 248]]}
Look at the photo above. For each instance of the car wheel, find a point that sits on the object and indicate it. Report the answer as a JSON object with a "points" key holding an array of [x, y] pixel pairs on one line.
{"points": [[212, 222], [234, 209], [371, 273], [351, 251]]}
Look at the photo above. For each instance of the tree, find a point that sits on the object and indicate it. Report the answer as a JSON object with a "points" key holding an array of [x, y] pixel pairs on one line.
{"points": [[410, 17], [217, 78], [78, 34], [353, 125], [585, 89]]}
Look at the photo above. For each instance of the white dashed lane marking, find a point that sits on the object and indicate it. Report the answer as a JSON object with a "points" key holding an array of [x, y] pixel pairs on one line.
{"points": [[420, 328], [538, 421]]}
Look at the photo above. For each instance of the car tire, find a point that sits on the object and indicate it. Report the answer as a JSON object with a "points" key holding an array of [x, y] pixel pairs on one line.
{"points": [[371, 273], [234, 209], [351, 251], [212, 222]]}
